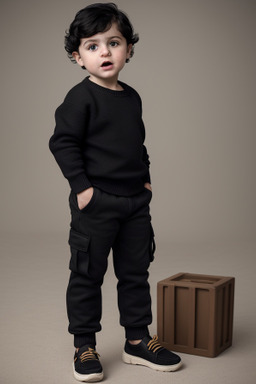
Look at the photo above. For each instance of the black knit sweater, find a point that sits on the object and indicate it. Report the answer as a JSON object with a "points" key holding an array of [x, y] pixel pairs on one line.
{"points": [[98, 139]]}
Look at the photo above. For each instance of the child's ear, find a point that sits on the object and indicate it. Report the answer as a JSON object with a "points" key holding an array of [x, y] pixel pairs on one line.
{"points": [[77, 58], [129, 49]]}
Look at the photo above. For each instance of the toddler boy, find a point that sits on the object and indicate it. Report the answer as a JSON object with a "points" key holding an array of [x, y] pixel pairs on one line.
{"points": [[98, 143]]}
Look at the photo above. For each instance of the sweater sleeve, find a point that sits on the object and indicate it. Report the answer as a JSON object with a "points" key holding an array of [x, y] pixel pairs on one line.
{"points": [[65, 144], [145, 157]]}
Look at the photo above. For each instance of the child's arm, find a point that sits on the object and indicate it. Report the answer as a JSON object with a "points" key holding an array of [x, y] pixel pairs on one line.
{"points": [[145, 156], [65, 144]]}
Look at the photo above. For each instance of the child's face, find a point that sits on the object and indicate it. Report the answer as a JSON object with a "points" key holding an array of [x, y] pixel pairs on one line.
{"points": [[103, 55]]}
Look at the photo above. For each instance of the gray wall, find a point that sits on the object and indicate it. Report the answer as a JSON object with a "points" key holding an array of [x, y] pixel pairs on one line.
{"points": [[194, 67]]}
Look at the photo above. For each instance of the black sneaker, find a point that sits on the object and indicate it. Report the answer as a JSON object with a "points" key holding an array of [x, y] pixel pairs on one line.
{"points": [[151, 354], [86, 365]]}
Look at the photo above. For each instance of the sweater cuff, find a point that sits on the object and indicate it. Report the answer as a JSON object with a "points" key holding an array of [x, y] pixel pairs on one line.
{"points": [[146, 178], [79, 183]]}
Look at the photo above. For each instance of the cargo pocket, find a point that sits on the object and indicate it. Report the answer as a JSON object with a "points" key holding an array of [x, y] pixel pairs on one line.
{"points": [[152, 244], [79, 244]]}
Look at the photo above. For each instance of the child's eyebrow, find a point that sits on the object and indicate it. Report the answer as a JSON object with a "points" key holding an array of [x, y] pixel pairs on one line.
{"points": [[91, 41], [115, 37], [97, 40]]}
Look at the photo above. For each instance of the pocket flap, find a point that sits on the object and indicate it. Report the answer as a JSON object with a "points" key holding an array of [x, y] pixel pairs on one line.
{"points": [[78, 240]]}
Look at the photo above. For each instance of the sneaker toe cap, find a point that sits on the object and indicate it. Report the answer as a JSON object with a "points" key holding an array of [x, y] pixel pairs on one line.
{"points": [[91, 367], [166, 357]]}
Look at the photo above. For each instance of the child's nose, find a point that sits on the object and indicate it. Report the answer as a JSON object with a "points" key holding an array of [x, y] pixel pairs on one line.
{"points": [[105, 51]]}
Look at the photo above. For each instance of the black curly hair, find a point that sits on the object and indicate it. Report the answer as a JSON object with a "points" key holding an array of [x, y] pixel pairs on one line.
{"points": [[97, 18]]}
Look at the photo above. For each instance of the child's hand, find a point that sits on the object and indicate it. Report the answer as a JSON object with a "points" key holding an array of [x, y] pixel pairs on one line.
{"points": [[148, 186], [84, 197]]}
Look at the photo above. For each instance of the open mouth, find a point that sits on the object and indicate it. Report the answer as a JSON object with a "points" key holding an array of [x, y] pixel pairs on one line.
{"points": [[106, 64]]}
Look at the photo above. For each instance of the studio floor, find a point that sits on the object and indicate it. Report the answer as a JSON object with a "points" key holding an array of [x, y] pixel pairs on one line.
{"points": [[36, 347]]}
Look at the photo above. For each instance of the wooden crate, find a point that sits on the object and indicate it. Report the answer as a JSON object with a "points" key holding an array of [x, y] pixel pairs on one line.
{"points": [[195, 313]]}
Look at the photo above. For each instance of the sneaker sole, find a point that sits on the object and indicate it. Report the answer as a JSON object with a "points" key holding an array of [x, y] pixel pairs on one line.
{"points": [[91, 378], [130, 359]]}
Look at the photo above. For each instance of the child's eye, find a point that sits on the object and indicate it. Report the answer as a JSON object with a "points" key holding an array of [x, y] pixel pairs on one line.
{"points": [[114, 44], [92, 47]]}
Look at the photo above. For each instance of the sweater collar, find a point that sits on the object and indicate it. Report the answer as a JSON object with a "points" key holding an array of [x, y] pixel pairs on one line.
{"points": [[108, 91]]}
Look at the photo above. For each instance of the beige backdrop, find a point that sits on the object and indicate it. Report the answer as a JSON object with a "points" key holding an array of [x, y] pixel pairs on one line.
{"points": [[194, 67]]}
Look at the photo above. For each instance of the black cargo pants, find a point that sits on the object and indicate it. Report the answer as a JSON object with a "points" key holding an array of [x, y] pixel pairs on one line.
{"points": [[123, 224]]}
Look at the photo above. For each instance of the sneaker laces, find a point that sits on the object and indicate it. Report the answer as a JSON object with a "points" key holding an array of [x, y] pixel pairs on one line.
{"points": [[91, 354], [154, 345]]}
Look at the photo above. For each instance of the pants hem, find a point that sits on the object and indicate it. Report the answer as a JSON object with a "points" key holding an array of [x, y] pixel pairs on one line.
{"points": [[83, 339], [136, 333]]}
